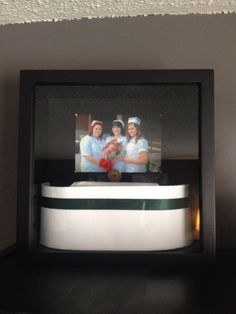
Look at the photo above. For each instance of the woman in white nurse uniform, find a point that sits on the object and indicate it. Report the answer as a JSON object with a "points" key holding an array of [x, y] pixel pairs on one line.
{"points": [[117, 128], [136, 158], [91, 148]]}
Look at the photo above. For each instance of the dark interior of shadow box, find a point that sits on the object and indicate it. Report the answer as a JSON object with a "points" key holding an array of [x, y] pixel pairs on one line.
{"points": [[169, 112]]}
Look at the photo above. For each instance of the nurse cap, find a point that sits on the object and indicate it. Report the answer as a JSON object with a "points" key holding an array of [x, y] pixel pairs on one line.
{"points": [[135, 120], [119, 121], [96, 121]]}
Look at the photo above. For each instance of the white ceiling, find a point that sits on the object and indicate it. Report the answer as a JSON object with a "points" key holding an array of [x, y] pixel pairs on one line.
{"points": [[26, 11]]}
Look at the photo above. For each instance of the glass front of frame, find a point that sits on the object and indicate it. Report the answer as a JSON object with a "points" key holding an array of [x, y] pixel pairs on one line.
{"points": [[149, 134]]}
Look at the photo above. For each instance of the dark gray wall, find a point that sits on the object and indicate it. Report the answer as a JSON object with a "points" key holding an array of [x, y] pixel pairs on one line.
{"points": [[168, 42]]}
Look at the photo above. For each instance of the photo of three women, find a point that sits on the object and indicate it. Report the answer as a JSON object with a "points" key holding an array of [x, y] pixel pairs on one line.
{"points": [[135, 157]]}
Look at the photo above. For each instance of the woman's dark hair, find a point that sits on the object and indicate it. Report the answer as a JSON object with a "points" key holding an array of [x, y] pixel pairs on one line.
{"points": [[138, 135], [119, 125], [90, 132]]}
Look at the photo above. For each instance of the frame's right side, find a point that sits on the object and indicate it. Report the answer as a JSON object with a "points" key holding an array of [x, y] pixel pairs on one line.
{"points": [[207, 165]]}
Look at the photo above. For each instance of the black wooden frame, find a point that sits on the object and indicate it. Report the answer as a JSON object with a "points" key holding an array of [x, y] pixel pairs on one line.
{"points": [[28, 252]]}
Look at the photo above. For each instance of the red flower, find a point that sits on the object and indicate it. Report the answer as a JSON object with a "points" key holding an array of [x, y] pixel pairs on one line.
{"points": [[105, 164]]}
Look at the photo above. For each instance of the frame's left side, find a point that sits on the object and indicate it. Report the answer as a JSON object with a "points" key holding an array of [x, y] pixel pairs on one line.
{"points": [[25, 164]]}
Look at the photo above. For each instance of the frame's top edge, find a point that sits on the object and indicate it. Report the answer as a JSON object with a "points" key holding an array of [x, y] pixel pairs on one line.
{"points": [[155, 76], [115, 70]]}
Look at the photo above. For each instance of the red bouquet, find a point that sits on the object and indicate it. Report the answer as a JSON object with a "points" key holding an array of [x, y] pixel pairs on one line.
{"points": [[112, 150]]}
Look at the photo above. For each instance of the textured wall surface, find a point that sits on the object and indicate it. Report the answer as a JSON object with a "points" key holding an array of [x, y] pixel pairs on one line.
{"points": [[24, 11], [154, 42]]}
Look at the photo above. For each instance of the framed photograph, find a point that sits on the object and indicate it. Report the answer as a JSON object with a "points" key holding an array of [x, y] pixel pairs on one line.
{"points": [[116, 167], [115, 143]]}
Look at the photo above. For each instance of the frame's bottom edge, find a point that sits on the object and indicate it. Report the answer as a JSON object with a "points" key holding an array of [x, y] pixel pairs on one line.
{"points": [[109, 259], [7, 251]]}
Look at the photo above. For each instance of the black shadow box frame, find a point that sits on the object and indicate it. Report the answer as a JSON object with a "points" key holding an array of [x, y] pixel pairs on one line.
{"points": [[28, 249]]}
